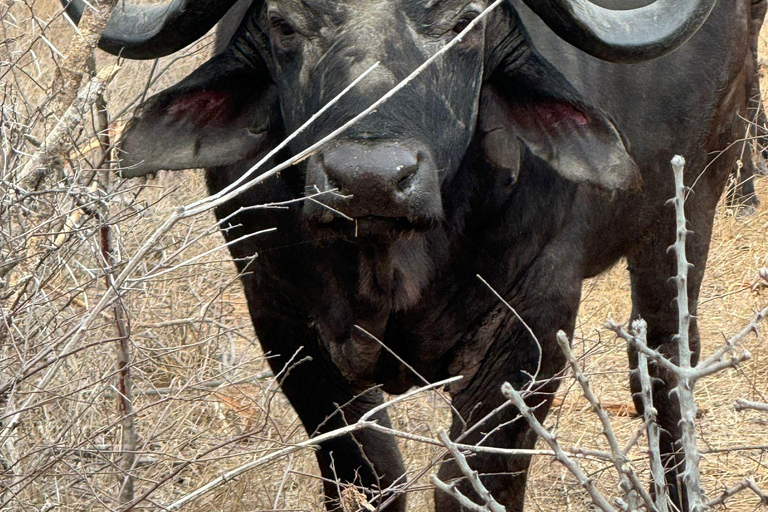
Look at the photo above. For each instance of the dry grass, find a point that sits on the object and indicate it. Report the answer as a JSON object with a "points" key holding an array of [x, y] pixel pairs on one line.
{"points": [[63, 454]]}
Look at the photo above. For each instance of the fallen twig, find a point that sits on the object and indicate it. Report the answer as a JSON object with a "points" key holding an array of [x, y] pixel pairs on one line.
{"points": [[743, 405]]}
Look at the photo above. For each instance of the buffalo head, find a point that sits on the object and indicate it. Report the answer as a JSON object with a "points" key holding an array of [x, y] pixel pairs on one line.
{"points": [[391, 164], [289, 58]]}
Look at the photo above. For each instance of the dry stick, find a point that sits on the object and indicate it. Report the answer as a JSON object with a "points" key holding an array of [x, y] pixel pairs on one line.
{"points": [[211, 385], [584, 481], [535, 376], [109, 253], [491, 505], [685, 382], [747, 483], [32, 174], [630, 484], [73, 336], [402, 361], [649, 418], [743, 405]]}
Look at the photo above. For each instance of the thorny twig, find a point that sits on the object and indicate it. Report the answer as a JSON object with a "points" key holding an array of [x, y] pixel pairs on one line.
{"points": [[685, 374], [649, 418], [747, 483], [685, 384]]}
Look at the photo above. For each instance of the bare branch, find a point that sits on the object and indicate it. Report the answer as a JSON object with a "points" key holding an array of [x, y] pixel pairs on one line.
{"points": [[491, 505], [649, 418], [685, 384], [630, 484], [747, 483], [744, 405], [584, 481]]}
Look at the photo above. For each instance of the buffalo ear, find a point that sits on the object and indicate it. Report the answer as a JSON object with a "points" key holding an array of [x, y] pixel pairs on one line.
{"points": [[219, 115], [533, 102]]}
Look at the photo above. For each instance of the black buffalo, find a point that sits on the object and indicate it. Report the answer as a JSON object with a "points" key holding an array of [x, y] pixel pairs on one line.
{"points": [[489, 163]]}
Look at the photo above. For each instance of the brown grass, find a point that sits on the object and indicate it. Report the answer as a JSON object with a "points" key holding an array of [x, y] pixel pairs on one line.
{"points": [[64, 446]]}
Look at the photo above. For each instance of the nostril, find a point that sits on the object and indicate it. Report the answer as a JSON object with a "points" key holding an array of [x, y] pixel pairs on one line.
{"points": [[406, 181]]}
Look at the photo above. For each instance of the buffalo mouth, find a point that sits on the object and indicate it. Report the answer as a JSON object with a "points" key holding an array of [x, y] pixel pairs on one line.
{"points": [[373, 228]]}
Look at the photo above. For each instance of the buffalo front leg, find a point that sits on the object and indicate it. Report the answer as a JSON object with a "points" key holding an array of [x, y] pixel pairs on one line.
{"points": [[322, 399], [483, 416]]}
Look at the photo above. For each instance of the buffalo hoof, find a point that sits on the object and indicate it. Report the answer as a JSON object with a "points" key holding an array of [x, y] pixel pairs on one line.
{"points": [[742, 202], [744, 210], [745, 206], [762, 164]]}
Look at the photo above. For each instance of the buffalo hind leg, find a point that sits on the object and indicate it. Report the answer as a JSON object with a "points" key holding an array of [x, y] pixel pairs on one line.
{"points": [[741, 190], [741, 193]]}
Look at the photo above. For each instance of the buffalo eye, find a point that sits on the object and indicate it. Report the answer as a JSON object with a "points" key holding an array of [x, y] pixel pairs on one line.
{"points": [[282, 26], [463, 23]]}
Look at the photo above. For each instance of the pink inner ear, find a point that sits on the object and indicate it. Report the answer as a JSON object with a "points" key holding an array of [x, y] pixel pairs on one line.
{"points": [[199, 107], [547, 114]]}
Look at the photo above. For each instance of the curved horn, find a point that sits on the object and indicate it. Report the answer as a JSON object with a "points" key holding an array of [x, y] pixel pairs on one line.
{"points": [[152, 31], [631, 35]]}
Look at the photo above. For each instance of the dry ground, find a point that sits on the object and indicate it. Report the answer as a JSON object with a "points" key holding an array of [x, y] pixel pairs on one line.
{"points": [[195, 354]]}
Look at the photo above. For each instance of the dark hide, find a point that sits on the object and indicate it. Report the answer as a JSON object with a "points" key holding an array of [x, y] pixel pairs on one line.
{"points": [[536, 192]]}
